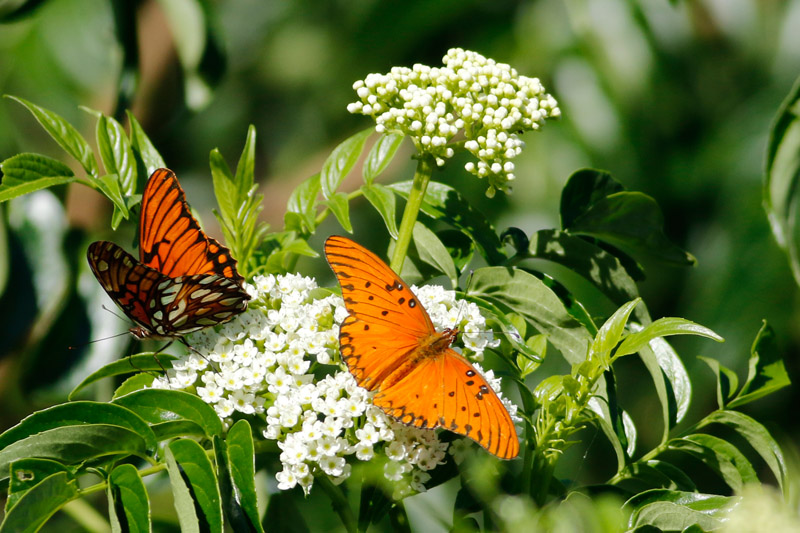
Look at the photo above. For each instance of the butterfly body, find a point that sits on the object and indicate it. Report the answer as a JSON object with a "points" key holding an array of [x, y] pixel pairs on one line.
{"points": [[391, 347], [184, 280]]}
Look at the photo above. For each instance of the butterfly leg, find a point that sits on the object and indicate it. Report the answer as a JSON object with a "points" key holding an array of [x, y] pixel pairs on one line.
{"points": [[155, 356], [195, 350]]}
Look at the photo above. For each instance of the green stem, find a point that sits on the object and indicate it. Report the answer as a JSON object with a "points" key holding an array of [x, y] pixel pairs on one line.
{"points": [[422, 176], [338, 502]]}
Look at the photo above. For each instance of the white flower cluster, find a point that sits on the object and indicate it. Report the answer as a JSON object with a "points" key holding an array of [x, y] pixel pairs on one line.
{"points": [[489, 101], [272, 362]]}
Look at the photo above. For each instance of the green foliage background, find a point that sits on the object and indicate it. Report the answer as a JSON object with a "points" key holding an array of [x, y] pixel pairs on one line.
{"points": [[674, 98]]}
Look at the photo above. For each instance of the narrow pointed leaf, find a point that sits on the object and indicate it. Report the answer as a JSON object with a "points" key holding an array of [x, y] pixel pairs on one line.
{"points": [[380, 155], [341, 162], [719, 455], [128, 504], [26, 173], [241, 456], [384, 202], [116, 153], [196, 468], [663, 327], [340, 207], [727, 381], [245, 169], [40, 503], [65, 135], [767, 373], [143, 147], [432, 251]]}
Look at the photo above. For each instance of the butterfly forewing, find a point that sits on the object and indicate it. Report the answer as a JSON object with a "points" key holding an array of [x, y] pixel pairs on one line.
{"points": [[170, 239], [391, 346]]}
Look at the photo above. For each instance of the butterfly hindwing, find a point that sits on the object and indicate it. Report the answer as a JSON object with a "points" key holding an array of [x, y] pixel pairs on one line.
{"points": [[170, 239]]}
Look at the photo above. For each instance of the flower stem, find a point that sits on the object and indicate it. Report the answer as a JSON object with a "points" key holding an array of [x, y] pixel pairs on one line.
{"points": [[338, 502], [421, 178]]}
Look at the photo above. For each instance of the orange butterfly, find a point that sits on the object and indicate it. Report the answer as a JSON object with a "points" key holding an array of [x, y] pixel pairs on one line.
{"points": [[391, 346], [184, 280]]}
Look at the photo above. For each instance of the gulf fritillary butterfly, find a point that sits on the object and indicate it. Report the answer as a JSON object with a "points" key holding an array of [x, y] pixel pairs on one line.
{"points": [[391, 346], [184, 280]]}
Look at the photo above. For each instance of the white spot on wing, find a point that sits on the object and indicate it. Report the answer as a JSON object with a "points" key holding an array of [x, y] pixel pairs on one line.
{"points": [[199, 293]]}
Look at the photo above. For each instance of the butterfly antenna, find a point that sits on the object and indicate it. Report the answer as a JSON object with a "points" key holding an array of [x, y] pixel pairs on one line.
{"points": [[96, 340], [113, 313]]}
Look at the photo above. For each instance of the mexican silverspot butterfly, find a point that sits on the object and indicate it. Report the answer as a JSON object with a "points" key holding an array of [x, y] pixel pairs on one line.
{"points": [[184, 280], [391, 346]]}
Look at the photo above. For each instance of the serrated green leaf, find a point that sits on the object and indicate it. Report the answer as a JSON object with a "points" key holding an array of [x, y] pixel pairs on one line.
{"points": [[663, 327], [27, 473], [116, 153], [64, 134], [432, 251], [766, 373], [25, 173], [781, 177], [161, 405], [143, 147], [39, 504], [142, 362], [127, 497], [719, 455], [756, 435], [199, 472], [384, 202], [340, 207], [727, 381], [74, 444], [341, 162], [380, 155], [443, 202], [526, 295], [78, 414], [241, 456]]}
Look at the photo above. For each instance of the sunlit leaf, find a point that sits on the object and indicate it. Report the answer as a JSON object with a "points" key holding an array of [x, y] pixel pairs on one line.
{"points": [[127, 501], [383, 200], [432, 251], [39, 504], [26, 173], [161, 405], [341, 162], [767, 373]]}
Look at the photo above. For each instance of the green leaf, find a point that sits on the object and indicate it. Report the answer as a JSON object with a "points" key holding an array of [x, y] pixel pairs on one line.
{"points": [[756, 435], [161, 405], [660, 474], [303, 204], [594, 205], [341, 162], [74, 444], [443, 202], [109, 186], [25, 173], [767, 373], [603, 419], [526, 295], [78, 414], [432, 251], [591, 262], [197, 469], [39, 504], [241, 457], [663, 327], [611, 331], [674, 392], [719, 455], [143, 147], [245, 168], [64, 134], [116, 153], [127, 497], [139, 381], [727, 381], [509, 329], [27, 473], [380, 155], [781, 177], [459, 247], [340, 207], [142, 362], [225, 189], [384, 201], [177, 428], [671, 510], [182, 496]]}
